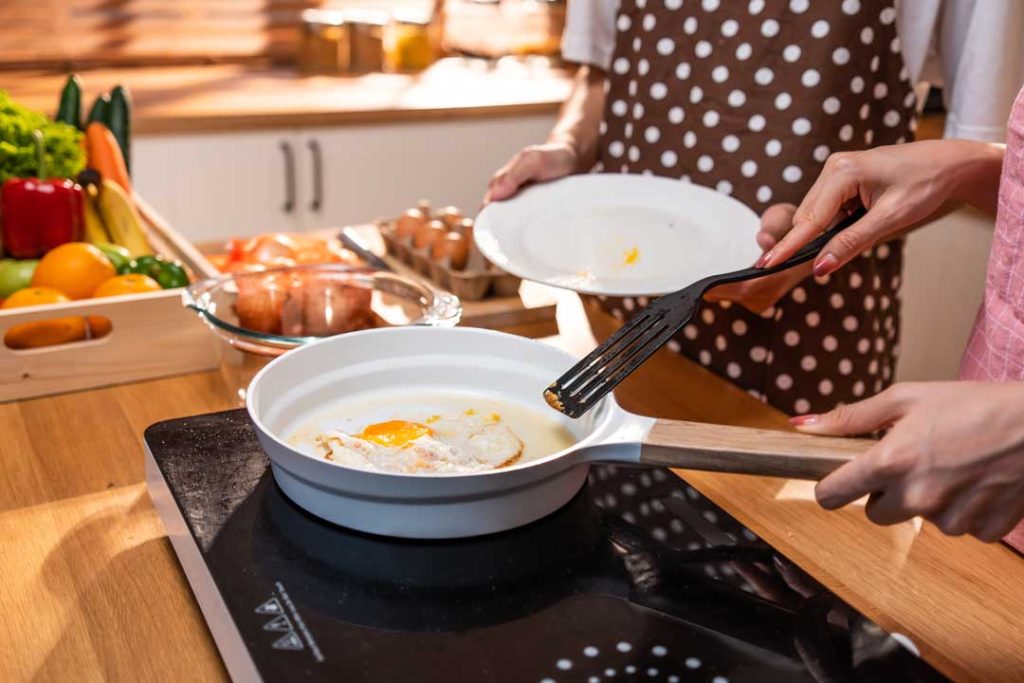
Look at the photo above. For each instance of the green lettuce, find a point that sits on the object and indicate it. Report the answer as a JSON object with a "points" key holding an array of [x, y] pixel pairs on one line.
{"points": [[63, 143]]}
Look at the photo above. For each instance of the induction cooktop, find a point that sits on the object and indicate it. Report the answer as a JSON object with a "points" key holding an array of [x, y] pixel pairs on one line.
{"points": [[638, 578]]}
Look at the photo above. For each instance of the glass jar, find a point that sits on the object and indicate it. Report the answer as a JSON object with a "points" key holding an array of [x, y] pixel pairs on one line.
{"points": [[410, 43]]}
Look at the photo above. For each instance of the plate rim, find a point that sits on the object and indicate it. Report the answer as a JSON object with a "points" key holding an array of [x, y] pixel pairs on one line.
{"points": [[485, 239]]}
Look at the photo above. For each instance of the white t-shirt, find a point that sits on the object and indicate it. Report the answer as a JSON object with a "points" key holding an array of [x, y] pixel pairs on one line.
{"points": [[974, 49]]}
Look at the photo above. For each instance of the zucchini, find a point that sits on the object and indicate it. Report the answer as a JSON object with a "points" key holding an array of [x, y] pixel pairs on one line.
{"points": [[69, 110], [119, 120], [100, 110]]}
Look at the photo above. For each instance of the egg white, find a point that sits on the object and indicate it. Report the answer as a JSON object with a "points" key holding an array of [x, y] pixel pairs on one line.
{"points": [[458, 444]]}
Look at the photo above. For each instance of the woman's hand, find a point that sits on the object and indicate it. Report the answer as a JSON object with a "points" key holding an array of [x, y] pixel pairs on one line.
{"points": [[572, 144], [899, 185], [954, 454], [534, 164], [762, 293]]}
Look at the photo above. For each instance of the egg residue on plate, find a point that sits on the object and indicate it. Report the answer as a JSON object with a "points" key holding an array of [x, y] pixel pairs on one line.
{"points": [[454, 443]]}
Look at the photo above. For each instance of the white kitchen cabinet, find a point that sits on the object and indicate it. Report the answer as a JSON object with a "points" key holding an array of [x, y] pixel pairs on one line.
{"points": [[377, 171], [217, 185]]}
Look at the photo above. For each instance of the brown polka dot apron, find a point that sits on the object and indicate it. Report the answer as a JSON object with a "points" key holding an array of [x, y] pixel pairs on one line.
{"points": [[750, 98]]}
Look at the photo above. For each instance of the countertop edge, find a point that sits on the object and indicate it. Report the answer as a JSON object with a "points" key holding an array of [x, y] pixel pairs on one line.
{"points": [[229, 122]]}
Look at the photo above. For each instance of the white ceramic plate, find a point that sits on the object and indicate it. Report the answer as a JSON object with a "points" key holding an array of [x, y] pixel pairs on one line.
{"points": [[619, 235]]}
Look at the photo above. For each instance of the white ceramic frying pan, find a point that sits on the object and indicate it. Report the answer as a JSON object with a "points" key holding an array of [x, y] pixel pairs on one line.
{"points": [[420, 360]]}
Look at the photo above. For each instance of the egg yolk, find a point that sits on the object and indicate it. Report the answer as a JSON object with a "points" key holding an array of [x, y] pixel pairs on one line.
{"points": [[394, 433], [631, 256]]}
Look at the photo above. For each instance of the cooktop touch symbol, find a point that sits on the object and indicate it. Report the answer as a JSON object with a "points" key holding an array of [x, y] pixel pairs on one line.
{"points": [[271, 606], [279, 624], [289, 641]]}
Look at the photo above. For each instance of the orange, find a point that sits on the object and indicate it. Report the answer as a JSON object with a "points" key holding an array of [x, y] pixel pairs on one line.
{"points": [[34, 296], [44, 332], [75, 268], [132, 283]]}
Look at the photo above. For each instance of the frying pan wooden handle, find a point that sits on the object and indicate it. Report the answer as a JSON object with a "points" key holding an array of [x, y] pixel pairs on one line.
{"points": [[719, 448]]}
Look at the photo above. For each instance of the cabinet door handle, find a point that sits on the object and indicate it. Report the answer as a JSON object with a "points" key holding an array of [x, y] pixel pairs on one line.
{"points": [[318, 176], [289, 176]]}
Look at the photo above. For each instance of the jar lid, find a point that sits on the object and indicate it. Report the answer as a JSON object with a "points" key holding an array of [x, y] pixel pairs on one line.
{"points": [[322, 17], [411, 17], [340, 17], [370, 17]]}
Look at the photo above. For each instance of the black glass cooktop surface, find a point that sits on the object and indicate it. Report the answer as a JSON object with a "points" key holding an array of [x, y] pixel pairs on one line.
{"points": [[638, 578]]}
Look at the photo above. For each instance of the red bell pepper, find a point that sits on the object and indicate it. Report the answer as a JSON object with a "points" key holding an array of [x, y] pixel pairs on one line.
{"points": [[39, 214]]}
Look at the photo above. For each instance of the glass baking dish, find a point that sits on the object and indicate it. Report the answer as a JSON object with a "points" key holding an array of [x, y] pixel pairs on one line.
{"points": [[261, 315]]}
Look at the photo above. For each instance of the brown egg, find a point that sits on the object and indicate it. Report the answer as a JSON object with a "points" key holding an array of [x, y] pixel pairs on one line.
{"points": [[451, 215], [451, 249], [259, 302], [408, 223], [427, 234], [465, 228]]}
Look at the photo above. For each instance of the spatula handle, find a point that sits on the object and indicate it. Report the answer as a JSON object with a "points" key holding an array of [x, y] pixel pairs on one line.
{"points": [[718, 448], [805, 254]]}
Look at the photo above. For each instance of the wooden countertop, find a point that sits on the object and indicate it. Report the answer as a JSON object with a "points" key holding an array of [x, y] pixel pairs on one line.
{"points": [[90, 580], [233, 97]]}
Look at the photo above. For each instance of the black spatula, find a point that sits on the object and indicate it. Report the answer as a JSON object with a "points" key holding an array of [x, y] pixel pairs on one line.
{"points": [[582, 387]]}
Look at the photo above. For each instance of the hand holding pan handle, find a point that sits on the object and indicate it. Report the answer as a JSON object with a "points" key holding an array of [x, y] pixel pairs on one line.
{"points": [[718, 448]]}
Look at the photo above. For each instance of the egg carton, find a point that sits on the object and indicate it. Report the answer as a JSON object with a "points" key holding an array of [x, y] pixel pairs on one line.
{"points": [[480, 278]]}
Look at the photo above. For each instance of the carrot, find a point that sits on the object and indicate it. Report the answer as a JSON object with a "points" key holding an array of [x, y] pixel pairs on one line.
{"points": [[104, 154]]}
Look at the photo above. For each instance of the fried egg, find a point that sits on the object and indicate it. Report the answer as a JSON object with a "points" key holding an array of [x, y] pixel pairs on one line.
{"points": [[435, 444]]}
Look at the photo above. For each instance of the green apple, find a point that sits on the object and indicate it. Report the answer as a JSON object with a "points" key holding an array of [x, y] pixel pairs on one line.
{"points": [[15, 275]]}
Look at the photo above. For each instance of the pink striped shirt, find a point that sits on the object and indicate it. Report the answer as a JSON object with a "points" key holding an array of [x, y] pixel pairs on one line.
{"points": [[995, 352]]}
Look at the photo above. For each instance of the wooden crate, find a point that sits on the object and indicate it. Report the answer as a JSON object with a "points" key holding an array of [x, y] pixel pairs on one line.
{"points": [[152, 334]]}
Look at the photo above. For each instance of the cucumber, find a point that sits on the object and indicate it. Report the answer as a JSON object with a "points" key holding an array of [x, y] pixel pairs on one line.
{"points": [[119, 120], [100, 110], [69, 110]]}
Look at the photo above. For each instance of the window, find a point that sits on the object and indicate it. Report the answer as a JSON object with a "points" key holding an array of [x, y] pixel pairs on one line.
{"points": [[72, 34]]}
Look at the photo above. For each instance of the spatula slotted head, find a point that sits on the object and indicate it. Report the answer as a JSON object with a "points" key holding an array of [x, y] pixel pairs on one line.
{"points": [[590, 380]]}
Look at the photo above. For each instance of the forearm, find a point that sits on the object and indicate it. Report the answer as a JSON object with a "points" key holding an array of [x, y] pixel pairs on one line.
{"points": [[974, 177], [580, 120]]}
